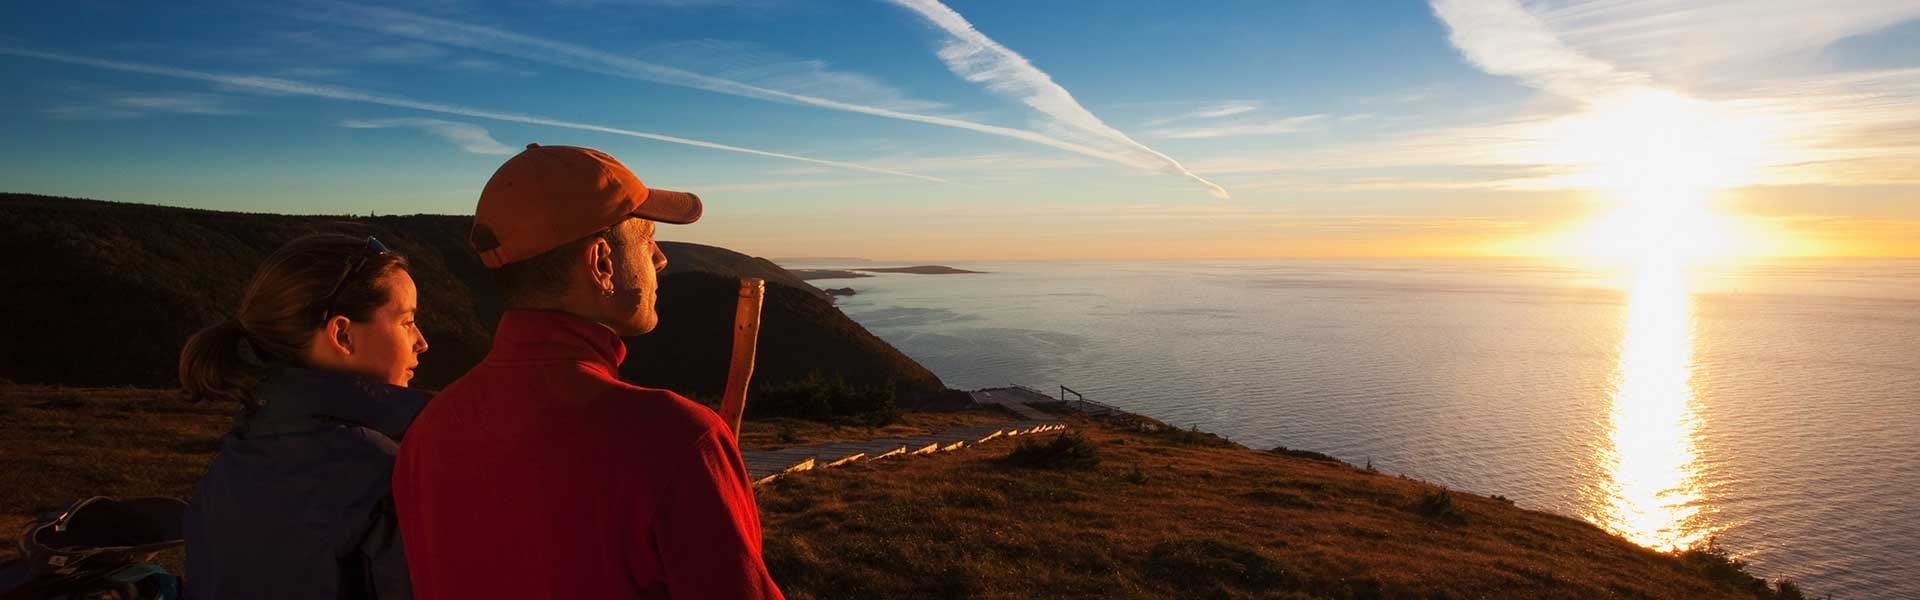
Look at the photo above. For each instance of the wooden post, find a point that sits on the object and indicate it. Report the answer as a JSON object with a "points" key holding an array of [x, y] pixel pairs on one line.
{"points": [[746, 336]]}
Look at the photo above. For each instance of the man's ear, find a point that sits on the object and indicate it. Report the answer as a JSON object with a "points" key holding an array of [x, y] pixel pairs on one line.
{"points": [[337, 336], [600, 259]]}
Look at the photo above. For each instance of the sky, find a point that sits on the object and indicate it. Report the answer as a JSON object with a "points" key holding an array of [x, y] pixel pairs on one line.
{"points": [[1004, 130]]}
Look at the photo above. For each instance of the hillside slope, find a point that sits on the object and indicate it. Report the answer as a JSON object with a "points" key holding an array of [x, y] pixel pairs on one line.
{"points": [[104, 293], [1161, 514], [1124, 512]]}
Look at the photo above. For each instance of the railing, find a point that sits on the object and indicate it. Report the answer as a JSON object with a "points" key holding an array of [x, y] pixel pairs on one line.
{"points": [[1078, 397], [1064, 390], [1084, 402]]}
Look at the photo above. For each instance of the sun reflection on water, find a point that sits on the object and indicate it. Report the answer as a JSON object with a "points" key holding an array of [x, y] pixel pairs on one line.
{"points": [[1652, 493]]}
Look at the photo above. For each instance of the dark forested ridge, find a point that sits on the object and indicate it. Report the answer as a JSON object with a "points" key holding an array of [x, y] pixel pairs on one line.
{"points": [[105, 293]]}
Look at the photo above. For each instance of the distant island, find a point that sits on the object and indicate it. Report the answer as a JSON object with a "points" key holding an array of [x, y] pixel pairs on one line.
{"points": [[841, 260], [922, 270], [811, 274], [842, 291]]}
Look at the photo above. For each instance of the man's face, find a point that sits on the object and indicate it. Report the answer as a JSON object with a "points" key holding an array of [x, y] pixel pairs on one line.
{"points": [[636, 272]]}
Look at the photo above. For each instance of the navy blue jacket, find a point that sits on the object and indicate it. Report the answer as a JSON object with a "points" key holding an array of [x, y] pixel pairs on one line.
{"points": [[298, 503]]}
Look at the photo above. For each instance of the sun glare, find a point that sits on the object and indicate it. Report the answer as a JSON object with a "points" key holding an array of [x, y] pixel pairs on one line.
{"points": [[1657, 156]]}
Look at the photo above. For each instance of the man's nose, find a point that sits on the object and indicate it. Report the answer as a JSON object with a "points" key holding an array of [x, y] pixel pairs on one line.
{"points": [[420, 344], [659, 257]]}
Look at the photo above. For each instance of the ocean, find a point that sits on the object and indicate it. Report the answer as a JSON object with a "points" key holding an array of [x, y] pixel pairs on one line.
{"points": [[1769, 407]]}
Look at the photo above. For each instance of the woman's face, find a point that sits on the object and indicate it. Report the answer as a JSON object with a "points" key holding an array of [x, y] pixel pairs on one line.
{"points": [[387, 348]]}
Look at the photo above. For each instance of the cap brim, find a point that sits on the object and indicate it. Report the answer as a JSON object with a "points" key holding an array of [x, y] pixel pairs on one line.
{"points": [[668, 206]]}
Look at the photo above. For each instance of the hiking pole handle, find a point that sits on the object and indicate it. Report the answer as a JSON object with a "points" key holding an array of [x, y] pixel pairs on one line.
{"points": [[746, 336]]}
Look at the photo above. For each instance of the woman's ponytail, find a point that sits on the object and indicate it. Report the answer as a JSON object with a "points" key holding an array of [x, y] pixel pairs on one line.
{"points": [[219, 364]]}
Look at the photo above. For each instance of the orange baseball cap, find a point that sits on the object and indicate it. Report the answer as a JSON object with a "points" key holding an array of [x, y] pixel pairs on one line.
{"points": [[547, 196]]}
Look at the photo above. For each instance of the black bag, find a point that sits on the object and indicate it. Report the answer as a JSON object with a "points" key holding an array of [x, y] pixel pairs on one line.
{"points": [[98, 549]]}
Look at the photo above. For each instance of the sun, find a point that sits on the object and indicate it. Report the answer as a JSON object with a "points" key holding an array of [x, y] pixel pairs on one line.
{"points": [[1657, 157]]}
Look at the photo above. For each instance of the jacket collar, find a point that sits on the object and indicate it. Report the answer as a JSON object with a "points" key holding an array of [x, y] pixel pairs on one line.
{"points": [[297, 399], [547, 335]]}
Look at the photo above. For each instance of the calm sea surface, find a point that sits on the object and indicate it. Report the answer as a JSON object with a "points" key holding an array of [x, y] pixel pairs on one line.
{"points": [[1772, 406]]}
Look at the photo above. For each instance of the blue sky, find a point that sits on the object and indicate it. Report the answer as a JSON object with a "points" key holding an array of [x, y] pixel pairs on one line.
{"points": [[920, 129]]}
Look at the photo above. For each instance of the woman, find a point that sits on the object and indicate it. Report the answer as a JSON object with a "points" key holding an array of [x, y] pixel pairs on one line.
{"points": [[297, 504]]}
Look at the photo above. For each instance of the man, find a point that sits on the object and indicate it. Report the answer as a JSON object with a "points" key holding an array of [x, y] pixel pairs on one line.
{"points": [[539, 474]]}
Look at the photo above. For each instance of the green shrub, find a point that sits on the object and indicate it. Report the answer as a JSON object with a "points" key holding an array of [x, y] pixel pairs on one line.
{"points": [[818, 397], [1439, 507], [1306, 454], [1197, 568], [1065, 452], [1718, 564], [1191, 437]]}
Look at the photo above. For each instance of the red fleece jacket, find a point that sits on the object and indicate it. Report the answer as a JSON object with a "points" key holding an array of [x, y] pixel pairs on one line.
{"points": [[540, 474]]}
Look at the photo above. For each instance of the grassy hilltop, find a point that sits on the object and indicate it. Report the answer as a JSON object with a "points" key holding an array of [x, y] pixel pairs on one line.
{"points": [[1118, 511]]}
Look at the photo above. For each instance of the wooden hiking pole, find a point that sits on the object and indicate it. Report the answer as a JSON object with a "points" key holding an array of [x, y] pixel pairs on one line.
{"points": [[746, 335]]}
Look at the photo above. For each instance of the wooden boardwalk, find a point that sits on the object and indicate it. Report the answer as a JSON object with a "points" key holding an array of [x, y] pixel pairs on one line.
{"points": [[1014, 399], [767, 465]]}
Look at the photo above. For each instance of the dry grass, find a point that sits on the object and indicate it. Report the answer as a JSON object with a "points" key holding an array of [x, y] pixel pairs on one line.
{"points": [[1162, 514], [773, 434], [63, 444], [1167, 515], [60, 444]]}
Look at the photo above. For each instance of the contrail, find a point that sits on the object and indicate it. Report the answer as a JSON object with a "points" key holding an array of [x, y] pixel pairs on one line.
{"points": [[291, 87], [978, 59], [574, 56]]}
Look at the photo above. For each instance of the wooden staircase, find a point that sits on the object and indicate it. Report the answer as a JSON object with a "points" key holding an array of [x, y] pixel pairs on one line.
{"points": [[768, 465]]}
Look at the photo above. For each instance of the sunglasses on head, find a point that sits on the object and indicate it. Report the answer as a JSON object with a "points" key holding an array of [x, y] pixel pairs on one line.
{"points": [[373, 248]]}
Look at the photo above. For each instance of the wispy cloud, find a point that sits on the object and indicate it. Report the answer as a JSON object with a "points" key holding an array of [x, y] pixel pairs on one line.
{"points": [[349, 47], [136, 105], [469, 137], [1225, 110], [313, 72], [185, 103], [664, 3], [1694, 56], [981, 60], [276, 86], [1210, 111], [403, 53], [1502, 38], [481, 65], [1852, 128], [1688, 40], [997, 162], [1242, 128], [780, 185], [755, 66], [90, 112], [575, 56]]}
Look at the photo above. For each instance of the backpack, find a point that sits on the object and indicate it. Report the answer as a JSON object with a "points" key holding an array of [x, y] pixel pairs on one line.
{"points": [[99, 548]]}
